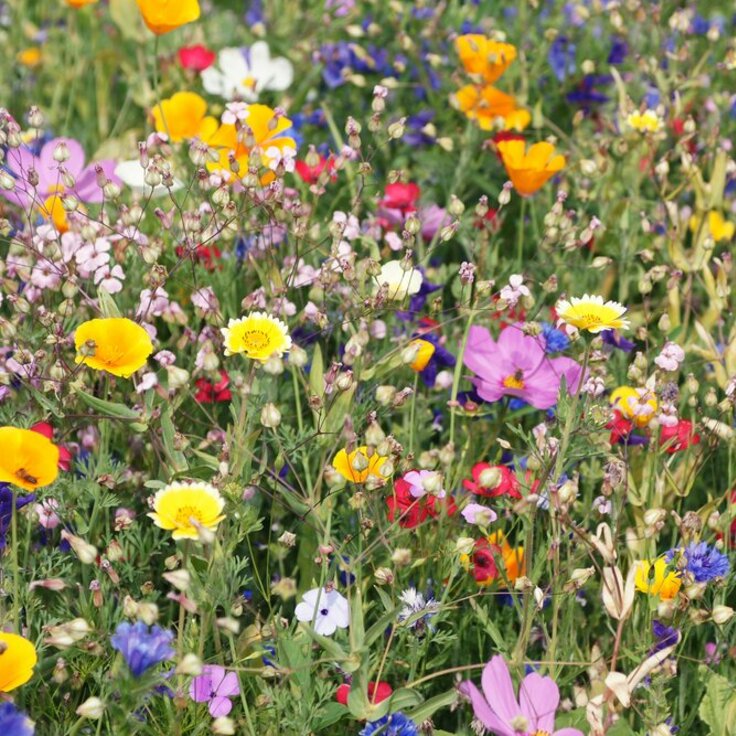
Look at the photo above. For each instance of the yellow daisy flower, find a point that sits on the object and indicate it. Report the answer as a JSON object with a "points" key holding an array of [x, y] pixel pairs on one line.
{"points": [[591, 313], [28, 459], [357, 465], [645, 122], [113, 344], [17, 659], [258, 336], [183, 507], [652, 578], [637, 404]]}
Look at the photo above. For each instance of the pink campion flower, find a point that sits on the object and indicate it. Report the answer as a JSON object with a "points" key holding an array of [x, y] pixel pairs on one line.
{"points": [[215, 686], [110, 279], [498, 709], [20, 161], [46, 512], [671, 357], [92, 256], [517, 365]]}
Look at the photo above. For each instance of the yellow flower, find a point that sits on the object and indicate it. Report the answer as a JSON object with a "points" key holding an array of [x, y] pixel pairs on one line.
{"points": [[357, 465], [591, 313], [30, 57], [114, 344], [483, 57], [719, 228], [425, 351], [645, 122], [162, 16], [182, 507], [264, 129], [529, 170], [637, 404], [652, 578], [258, 336], [184, 115], [17, 659], [28, 459], [491, 108]]}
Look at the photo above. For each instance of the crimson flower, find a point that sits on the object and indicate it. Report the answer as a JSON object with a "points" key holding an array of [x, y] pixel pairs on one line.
{"points": [[209, 392], [412, 511], [310, 174], [197, 58], [508, 484], [678, 437], [377, 691]]}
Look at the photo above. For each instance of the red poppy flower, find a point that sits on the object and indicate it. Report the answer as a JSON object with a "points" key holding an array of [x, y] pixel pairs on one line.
{"points": [[620, 428], [508, 484], [65, 457], [310, 174], [482, 562], [210, 393], [400, 196], [678, 437], [413, 511], [207, 255], [377, 692], [197, 58]]}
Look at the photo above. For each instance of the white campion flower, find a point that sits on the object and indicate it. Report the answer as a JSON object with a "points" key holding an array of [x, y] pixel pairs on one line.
{"points": [[133, 175], [514, 290], [245, 73], [327, 611], [400, 283]]}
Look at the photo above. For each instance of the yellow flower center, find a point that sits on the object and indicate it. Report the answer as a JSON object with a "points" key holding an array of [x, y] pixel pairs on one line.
{"points": [[185, 514], [250, 81], [542, 733], [514, 381], [255, 340]]}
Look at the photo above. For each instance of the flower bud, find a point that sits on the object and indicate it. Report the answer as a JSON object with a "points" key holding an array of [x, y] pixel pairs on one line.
{"points": [[92, 708], [189, 664], [270, 416], [383, 576], [722, 614]]}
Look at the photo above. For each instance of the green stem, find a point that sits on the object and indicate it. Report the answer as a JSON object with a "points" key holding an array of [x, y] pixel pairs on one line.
{"points": [[520, 238], [458, 374], [14, 562]]}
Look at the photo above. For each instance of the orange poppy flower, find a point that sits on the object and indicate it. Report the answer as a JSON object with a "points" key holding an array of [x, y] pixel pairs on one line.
{"points": [[488, 105], [483, 57], [116, 345], [530, 170], [28, 459], [184, 115], [162, 16]]}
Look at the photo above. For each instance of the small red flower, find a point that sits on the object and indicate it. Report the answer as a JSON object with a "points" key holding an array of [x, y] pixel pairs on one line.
{"points": [[508, 485], [310, 174], [197, 58], [401, 197], [678, 437], [413, 511], [620, 428], [483, 564], [65, 457], [210, 393], [207, 255], [377, 692]]}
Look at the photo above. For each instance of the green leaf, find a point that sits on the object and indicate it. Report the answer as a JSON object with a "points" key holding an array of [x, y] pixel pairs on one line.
{"points": [[107, 305], [489, 625], [108, 408], [428, 708], [168, 432], [329, 714], [330, 646], [357, 628], [715, 705]]}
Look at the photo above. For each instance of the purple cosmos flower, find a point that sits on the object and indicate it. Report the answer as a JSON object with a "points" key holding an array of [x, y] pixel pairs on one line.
{"points": [[517, 365], [21, 160], [215, 686], [142, 646], [502, 714]]}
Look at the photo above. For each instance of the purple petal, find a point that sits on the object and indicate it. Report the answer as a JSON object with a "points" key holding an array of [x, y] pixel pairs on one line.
{"points": [[220, 707], [86, 186], [229, 685], [200, 688], [539, 697], [499, 690], [74, 164], [483, 712]]}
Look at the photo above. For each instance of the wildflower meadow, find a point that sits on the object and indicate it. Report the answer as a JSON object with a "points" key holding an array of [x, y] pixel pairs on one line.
{"points": [[367, 367]]}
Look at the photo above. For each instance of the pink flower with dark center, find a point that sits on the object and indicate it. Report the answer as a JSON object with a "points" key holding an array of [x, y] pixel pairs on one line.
{"points": [[215, 686], [517, 365], [498, 709]]}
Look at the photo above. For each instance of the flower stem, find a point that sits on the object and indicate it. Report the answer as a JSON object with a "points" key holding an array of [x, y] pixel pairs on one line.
{"points": [[457, 375]]}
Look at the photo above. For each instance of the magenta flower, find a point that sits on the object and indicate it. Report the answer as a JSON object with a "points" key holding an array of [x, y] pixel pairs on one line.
{"points": [[517, 365], [499, 711], [215, 686], [20, 161]]}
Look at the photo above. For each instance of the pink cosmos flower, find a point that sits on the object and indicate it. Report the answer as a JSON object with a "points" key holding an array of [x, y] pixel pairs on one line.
{"points": [[21, 161], [215, 686], [517, 365], [502, 714]]}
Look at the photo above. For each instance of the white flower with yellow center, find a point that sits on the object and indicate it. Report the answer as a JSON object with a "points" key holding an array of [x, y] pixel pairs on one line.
{"points": [[258, 336], [590, 312], [185, 508], [400, 282]]}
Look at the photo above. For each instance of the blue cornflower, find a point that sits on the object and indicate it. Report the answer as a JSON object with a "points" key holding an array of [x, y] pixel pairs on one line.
{"points": [[142, 646], [702, 561], [561, 57], [664, 636], [555, 341], [13, 722], [6, 509], [395, 724]]}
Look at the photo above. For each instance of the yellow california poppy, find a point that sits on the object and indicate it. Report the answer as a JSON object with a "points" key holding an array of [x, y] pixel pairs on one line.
{"points": [[183, 116], [27, 459], [258, 336], [162, 16], [652, 578], [357, 465], [113, 344], [425, 351], [590, 312], [183, 507], [491, 108], [483, 57], [530, 169], [17, 659]]}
